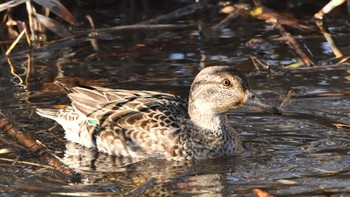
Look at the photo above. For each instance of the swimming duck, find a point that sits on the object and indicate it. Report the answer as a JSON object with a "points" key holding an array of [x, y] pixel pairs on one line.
{"points": [[149, 124]]}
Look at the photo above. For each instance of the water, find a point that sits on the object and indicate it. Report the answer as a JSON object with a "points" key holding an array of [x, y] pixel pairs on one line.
{"points": [[300, 152]]}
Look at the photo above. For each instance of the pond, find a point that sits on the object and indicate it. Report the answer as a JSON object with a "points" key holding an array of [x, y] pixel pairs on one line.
{"points": [[301, 152]]}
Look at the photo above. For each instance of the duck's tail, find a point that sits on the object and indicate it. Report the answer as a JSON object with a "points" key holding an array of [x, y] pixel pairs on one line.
{"points": [[48, 113], [75, 126]]}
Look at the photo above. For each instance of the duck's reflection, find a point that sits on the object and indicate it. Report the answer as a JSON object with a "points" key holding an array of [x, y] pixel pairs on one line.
{"points": [[203, 178]]}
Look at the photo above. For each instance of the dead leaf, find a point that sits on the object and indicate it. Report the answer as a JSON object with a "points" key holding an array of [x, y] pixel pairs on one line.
{"points": [[342, 126], [263, 13], [52, 25], [227, 9], [261, 193], [56, 7]]}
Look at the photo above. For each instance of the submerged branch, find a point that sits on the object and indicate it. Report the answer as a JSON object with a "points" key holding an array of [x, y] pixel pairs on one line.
{"points": [[190, 9], [131, 27], [41, 151]]}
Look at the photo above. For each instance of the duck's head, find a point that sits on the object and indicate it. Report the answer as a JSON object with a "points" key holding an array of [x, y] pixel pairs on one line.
{"points": [[219, 89]]}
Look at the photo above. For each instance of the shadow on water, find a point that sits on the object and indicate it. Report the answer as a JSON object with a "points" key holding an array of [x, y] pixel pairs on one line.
{"points": [[300, 152]]}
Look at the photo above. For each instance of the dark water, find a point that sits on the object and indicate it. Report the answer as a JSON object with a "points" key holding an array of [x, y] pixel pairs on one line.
{"points": [[299, 153]]}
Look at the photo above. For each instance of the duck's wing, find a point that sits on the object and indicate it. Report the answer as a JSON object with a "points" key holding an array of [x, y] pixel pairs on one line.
{"points": [[134, 120], [124, 107]]}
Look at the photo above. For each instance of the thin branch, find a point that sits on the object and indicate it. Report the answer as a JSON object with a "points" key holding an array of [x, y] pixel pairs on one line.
{"points": [[190, 9], [39, 150], [303, 57], [256, 61], [329, 39], [26, 163], [327, 8], [328, 94], [15, 42], [343, 60], [224, 22], [237, 10], [132, 27], [286, 100], [30, 17]]}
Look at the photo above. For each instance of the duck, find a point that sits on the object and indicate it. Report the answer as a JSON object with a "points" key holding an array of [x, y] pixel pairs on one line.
{"points": [[149, 124]]}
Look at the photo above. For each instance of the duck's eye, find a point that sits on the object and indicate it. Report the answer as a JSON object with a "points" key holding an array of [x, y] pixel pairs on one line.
{"points": [[226, 82]]}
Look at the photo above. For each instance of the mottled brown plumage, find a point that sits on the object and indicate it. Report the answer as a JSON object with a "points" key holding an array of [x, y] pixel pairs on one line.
{"points": [[143, 124]]}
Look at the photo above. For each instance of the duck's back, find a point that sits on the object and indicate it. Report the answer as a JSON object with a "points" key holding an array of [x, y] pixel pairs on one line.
{"points": [[124, 122]]}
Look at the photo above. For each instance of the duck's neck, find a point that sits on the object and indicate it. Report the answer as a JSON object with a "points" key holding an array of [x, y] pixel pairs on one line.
{"points": [[210, 122]]}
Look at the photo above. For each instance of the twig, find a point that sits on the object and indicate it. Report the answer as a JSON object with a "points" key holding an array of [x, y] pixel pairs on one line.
{"points": [[93, 41], [224, 22], [304, 58], [22, 26], [343, 60], [39, 150], [329, 39], [238, 9], [30, 17], [27, 163], [286, 100], [330, 94], [256, 61], [318, 68], [190, 9], [142, 188], [327, 8], [132, 27], [15, 42], [344, 126]]}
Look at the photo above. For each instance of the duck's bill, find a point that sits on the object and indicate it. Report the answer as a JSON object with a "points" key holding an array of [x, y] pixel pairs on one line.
{"points": [[255, 103]]}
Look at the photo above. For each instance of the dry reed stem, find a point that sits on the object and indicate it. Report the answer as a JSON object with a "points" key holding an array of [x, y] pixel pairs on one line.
{"points": [[30, 17], [327, 8], [14, 161], [15, 42], [329, 39], [343, 60], [287, 99], [27, 35]]}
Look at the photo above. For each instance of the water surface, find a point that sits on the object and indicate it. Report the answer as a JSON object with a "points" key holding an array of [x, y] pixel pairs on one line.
{"points": [[300, 152]]}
